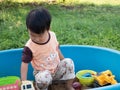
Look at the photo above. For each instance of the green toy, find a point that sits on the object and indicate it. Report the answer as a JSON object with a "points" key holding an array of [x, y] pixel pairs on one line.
{"points": [[9, 80]]}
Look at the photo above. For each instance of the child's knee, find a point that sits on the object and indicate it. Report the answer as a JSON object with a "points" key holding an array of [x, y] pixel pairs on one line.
{"points": [[68, 63], [69, 67], [43, 79]]}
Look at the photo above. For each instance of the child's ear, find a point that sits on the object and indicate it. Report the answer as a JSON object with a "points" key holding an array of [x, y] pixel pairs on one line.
{"points": [[49, 28]]}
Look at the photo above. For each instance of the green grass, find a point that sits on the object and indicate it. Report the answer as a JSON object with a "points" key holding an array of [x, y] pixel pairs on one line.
{"points": [[82, 24]]}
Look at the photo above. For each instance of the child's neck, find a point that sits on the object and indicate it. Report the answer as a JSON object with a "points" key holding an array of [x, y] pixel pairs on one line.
{"points": [[42, 39]]}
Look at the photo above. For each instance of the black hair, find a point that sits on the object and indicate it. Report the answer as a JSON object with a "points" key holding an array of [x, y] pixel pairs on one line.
{"points": [[38, 20]]}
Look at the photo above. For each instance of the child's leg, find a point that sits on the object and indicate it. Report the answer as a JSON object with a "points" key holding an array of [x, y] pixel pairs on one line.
{"points": [[43, 80], [66, 72]]}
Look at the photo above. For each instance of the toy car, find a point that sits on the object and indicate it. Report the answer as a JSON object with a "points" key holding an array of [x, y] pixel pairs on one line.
{"points": [[27, 85]]}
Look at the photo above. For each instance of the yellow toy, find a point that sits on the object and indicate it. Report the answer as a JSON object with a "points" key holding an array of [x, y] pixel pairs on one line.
{"points": [[105, 77]]}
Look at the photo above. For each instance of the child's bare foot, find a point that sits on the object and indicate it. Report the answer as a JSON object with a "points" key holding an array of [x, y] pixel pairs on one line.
{"points": [[70, 88], [69, 85]]}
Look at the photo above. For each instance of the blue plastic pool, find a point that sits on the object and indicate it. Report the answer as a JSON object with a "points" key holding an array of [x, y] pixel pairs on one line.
{"points": [[85, 57]]}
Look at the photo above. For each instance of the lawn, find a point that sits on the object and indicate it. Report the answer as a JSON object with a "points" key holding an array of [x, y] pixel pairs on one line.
{"points": [[88, 22]]}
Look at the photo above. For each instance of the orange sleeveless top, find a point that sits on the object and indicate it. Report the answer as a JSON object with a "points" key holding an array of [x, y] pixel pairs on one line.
{"points": [[45, 57]]}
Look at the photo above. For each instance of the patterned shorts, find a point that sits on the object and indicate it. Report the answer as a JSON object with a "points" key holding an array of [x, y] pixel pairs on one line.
{"points": [[65, 71]]}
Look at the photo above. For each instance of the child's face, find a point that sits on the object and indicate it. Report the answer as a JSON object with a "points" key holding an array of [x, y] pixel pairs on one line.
{"points": [[40, 38]]}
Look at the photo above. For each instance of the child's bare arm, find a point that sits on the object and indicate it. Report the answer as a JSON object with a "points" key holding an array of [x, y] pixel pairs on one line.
{"points": [[60, 54], [24, 70]]}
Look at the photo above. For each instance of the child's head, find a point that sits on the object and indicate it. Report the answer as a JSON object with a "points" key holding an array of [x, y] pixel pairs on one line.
{"points": [[38, 20]]}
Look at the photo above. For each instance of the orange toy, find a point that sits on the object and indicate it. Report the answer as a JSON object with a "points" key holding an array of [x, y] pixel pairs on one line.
{"points": [[105, 77]]}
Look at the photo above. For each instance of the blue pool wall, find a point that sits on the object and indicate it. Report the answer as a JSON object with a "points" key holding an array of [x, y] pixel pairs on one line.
{"points": [[85, 57]]}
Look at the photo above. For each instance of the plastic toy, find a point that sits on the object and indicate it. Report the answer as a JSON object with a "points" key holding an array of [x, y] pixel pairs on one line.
{"points": [[27, 85], [85, 77], [105, 77], [9, 83], [77, 86]]}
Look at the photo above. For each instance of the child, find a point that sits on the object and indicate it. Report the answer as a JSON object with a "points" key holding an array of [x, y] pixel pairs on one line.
{"points": [[42, 50]]}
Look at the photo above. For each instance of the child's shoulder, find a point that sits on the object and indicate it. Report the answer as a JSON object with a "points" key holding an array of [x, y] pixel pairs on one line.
{"points": [[52, 33], [29, 42]]}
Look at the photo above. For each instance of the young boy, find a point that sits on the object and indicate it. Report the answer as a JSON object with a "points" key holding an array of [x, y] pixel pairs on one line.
{"points": [[42, 50]]}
